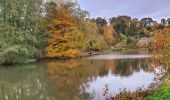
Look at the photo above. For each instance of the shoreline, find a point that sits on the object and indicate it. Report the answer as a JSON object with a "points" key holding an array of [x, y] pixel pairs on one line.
{"points": [[93, 53], [82, 55]]}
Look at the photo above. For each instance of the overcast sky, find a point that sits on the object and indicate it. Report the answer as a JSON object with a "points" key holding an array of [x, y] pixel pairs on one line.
{"points": [[156, 9]]}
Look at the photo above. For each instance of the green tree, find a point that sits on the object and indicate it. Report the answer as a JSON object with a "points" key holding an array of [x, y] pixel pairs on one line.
{"points": [[21, 33], [101, 22], [121, 24]]}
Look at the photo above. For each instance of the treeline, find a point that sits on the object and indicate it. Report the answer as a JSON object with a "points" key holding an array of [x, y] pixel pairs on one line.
{"points": [[35, 29]]}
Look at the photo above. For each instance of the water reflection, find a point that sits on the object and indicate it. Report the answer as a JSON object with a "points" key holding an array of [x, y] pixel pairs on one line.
{"points": [[79, 79], [126, 67], [24, 82]]}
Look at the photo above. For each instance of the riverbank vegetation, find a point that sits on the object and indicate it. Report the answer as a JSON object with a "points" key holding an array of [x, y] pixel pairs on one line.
{"points": [[31, 30], [162, 52], [21, 31]]}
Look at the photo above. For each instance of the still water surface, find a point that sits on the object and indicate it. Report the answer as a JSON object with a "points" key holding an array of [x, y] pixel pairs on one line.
{"points": [[77, 79]]}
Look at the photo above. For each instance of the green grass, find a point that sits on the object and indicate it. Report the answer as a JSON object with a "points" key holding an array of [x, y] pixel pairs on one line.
{"points": [[162, 93]]}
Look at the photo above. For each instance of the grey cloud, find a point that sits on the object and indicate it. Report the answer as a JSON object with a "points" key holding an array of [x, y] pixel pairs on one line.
{"points": [[136, 8]]}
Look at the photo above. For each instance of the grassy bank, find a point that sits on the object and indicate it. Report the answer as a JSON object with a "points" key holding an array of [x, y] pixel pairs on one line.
{"points": [[163, 92]]}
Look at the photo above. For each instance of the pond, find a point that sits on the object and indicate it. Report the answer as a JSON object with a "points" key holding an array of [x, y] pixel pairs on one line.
{"points": [[77, 79]]}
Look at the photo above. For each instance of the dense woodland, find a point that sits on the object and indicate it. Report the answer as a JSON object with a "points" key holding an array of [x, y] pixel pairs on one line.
{"points": [[35, 29]]}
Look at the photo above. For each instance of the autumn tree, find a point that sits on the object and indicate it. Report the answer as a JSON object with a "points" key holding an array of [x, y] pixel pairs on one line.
{"points": [[162, 46], [62, 28], [109, 34]]}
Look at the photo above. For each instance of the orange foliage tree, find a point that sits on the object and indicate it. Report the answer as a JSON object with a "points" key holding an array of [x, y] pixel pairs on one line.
{"points": [[61, 26]]}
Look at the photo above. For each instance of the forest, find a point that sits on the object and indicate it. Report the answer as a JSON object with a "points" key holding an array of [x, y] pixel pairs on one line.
{"points": [[32, 30]]}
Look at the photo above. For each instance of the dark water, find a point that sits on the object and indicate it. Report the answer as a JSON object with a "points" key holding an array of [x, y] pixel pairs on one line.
{"points": [[79, 79]]}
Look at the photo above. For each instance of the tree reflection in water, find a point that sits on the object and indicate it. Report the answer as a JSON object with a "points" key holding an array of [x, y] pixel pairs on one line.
{"points": [[71, 76], [24, 82]]}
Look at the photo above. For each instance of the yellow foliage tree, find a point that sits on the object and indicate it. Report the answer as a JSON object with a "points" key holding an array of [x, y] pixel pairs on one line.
{"points": [[109, 35]]}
